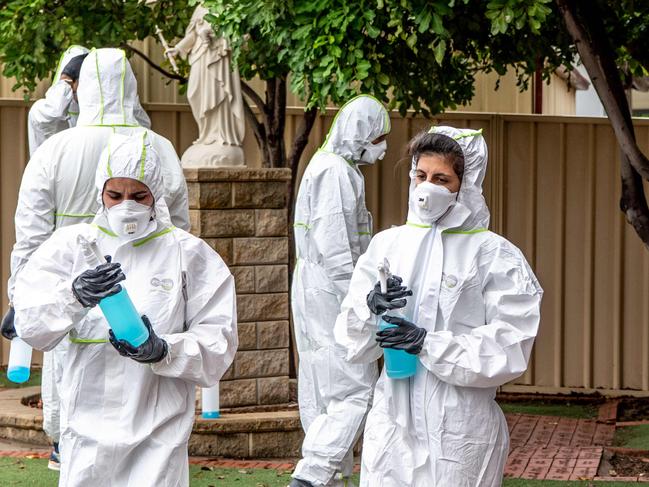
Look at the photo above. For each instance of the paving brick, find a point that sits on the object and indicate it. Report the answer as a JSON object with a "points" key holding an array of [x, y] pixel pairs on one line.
{"points": [[604, 434], [587, 463], [558, 473], [535, 472], [546, 452], [539, 462], [564, 463], [591, 452], [608, 411], [583, 473], [511, 419]]}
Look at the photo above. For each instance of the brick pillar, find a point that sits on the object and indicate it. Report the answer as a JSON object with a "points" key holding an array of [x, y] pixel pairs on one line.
{"points": [[242, 214]]}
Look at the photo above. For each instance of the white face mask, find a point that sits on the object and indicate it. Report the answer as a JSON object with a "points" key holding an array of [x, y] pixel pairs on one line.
{"points": [[373, 153], [430, 201], [130, 220]]}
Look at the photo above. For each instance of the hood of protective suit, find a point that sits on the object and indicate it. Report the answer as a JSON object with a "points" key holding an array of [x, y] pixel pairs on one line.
{"points": [[68, 54], [360, 121], [107, 90], [132, 157], [470, 211]]}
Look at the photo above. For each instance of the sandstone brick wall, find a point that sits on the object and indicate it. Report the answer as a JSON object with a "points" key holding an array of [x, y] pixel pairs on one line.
{"points": [[242, 214]]}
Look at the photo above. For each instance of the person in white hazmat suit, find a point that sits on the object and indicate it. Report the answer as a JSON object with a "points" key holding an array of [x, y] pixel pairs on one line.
{"points": [[59, 109], [471, 321], [55, 187], [127, 412], [332, 229]]}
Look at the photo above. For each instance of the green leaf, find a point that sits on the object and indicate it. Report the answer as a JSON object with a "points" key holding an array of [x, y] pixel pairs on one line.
{"points": [[440, 50], [438, 26]]}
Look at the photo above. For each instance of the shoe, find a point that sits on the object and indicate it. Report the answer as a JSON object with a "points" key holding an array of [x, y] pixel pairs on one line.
{"points": [[55, 458], [300, 483]]}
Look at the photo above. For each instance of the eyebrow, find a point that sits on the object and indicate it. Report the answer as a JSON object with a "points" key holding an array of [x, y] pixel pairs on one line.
{"points": [[446, 174]]}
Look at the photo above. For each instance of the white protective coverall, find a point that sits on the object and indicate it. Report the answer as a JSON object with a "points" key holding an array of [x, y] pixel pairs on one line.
{"points": [[125, 423], [55, 187], [480, 302], [332, 229], [59, 110]]}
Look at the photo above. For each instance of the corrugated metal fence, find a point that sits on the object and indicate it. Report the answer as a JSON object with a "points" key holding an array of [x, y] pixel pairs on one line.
{"points": [[553, 189]]}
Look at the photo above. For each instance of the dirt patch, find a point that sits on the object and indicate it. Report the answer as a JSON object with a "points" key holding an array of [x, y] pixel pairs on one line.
{"points": [[621, 465], [633, 409], [555, 399]]}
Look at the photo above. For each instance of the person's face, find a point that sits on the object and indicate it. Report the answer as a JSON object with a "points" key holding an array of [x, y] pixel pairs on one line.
{"points": [[118, 190], [437, 169]]}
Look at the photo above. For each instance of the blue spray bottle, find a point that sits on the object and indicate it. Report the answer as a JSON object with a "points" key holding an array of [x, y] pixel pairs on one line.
{"points": [[210, 402], [20, 359], [118, 309], [398, 363]]}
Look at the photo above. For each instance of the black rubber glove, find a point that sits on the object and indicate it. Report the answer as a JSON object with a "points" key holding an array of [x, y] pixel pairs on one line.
{"points": [[153, 350], [93, 285], [394, 298], [7, 329], [405, 336]]}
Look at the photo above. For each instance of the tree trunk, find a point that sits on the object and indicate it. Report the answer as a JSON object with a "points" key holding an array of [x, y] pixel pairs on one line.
{"points": [[258, 127], [276, 120], [589, 35]]}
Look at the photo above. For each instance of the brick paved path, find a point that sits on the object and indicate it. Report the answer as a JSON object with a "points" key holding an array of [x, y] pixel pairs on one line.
{"points": [[541, 447], [557, 448]]}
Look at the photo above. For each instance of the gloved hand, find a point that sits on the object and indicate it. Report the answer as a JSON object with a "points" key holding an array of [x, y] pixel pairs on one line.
{"points": [[405, 336], [7, 329], [153, 350], [394, 298], [93, 285]]}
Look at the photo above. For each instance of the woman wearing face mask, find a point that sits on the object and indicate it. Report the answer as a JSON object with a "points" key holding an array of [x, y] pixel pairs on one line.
{"points": [[471, 321], [127, 412]]}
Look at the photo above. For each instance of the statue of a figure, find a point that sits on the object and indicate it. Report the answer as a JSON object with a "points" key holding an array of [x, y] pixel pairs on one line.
{"points": [[214, 94]]}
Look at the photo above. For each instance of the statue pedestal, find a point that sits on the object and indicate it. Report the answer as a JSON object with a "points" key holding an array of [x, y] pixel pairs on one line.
{"points": [[213, 155]]}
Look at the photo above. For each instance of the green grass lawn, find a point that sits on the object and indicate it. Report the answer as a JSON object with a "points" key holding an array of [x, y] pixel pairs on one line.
{"points": [[34, 379], [554, 483], [23, 472], [549, 409], [633, 437]]}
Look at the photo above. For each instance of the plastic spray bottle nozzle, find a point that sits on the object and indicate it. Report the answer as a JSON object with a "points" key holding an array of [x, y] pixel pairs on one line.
{"points": [[90, 251], [384, 274]]}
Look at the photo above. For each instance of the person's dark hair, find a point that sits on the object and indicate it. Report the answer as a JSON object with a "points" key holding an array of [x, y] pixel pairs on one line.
{"points": [[73, 68], [425, 143]]}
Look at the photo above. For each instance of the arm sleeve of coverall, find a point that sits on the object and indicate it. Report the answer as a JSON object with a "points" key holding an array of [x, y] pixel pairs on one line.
{"points": [[45, 306], [34, 220], [334, 228], [203, 352], [46, 114], [356, 326], [497, 352]]}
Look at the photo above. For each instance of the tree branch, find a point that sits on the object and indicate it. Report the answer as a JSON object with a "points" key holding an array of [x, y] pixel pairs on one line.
{"points": [[302, 138], [633, 202], [599, 60], [154, 65], [585, 26], [252, 94], [259, 131]]}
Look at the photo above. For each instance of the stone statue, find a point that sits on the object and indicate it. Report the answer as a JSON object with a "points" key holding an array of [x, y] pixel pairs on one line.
{"points": [[214, 94]]}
